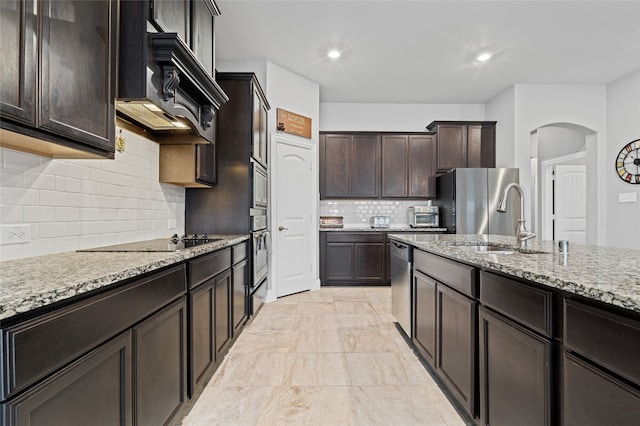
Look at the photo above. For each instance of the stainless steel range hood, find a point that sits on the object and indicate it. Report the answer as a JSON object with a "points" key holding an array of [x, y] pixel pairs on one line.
{"points": [[162, 87]]}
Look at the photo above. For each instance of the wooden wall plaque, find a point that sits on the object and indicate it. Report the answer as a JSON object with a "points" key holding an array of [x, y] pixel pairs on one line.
{"points": [[294, 124]]}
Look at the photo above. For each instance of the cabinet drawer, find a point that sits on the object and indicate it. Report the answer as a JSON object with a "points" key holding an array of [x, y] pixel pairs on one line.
{"points": [[519, 301], [349, 237], [37, 347], [209, 265], [455, 275], [239, 252], [611, 340]]}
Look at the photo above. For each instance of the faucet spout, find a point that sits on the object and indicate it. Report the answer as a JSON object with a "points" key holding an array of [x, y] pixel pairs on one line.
{"points": [[522, 235]]}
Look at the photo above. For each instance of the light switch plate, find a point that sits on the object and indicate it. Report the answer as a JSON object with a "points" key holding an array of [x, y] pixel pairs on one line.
{"points": [[626, 197], [14, 234]]}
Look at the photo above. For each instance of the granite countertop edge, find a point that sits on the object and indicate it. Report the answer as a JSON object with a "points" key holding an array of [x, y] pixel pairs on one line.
{"points": [[30, 283], [368, 228], [595, 272]]}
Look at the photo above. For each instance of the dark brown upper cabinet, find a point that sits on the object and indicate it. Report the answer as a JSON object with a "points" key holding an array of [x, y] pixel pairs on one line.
{"points": [[377, 165], [464, 144], [193, 21], [59, 77], [350, 166]]}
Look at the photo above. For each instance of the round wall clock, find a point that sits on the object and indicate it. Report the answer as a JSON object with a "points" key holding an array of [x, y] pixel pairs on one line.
{"points": [[628, 162]]}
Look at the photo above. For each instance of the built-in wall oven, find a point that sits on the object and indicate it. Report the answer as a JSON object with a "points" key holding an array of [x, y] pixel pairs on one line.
{"points": [[260, 239]]}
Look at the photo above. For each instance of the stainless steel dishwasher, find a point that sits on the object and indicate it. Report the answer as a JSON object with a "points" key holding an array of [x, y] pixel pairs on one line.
{"points": [[401, 259]]}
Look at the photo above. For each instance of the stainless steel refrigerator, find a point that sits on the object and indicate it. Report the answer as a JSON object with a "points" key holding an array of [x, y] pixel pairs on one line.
{"points": [[468, 200]]}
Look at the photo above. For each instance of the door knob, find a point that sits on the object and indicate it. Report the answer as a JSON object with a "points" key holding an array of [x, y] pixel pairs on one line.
{"points": [[282, 228]]}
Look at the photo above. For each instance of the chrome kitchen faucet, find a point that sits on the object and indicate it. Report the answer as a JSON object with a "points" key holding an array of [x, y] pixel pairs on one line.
{"points": [[522, 235]]}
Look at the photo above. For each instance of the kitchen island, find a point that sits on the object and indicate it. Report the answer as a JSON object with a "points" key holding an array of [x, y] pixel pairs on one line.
{"points": [[530, 336]]}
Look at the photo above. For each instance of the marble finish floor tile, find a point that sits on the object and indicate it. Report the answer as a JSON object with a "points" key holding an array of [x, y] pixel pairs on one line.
{"points": [[329, 357], [316, 341]]}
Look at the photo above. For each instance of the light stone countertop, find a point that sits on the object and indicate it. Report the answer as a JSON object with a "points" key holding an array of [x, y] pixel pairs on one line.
{"points": [[606, 274], [33, 282], [393, 228]]}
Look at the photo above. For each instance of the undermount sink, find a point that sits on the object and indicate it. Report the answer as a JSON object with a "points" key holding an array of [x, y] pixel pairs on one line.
{"points": [[499, 249]]}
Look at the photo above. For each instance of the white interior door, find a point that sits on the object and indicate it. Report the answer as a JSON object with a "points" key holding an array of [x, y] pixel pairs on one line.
{"points": [[571, 203], [292, 170]]}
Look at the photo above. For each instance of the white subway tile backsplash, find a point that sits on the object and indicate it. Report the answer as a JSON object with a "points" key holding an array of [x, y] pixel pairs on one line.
{"points": [[52, 229], [66, 214], [53, 198], [20, 196], [37, 214], [359, 211], [19, 160], [73, 204], [11, 214], [35, 180]]}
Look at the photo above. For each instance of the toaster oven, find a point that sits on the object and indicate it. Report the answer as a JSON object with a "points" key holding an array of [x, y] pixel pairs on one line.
{"points": [[423, 216]]}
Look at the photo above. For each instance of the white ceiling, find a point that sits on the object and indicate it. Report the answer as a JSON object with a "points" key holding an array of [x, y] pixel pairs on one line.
{"points": [[424, 51]]}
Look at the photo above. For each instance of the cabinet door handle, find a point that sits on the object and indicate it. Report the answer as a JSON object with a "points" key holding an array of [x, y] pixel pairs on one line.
{"points": [[282, 228]]}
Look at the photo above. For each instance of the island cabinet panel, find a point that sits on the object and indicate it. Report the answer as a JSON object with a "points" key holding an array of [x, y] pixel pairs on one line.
{"points": [[591, 397], [37, 347], [456, 275], [608, 339], [352, 258], [445, 323], [601, 375], [515, 373], [526, 304], [94, 390], [456, 344], [424, 327], [160, 366]]}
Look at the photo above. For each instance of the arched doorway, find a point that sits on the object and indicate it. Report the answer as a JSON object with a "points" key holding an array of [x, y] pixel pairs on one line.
{"points": [[563, 165]]}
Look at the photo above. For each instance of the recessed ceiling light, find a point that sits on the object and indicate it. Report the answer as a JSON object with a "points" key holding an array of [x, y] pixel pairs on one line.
{"points": [[334, 53], [483, 57]]}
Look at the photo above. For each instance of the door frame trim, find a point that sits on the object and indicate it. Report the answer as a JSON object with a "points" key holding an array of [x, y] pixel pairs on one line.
{"points": [[274, 139]]}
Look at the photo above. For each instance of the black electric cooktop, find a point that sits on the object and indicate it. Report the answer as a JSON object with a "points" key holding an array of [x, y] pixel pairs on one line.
{"points": [[174, 243]]}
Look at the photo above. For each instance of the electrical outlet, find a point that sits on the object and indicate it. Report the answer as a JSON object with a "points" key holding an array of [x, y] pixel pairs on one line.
{"points": [[171, 224], [14, 234]]}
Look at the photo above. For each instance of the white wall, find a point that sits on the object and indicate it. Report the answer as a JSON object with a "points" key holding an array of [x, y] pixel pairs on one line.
{"points": [[554, 141], [502, 109], [623, 126], [73, 204], [392, 117], [535, 106]]}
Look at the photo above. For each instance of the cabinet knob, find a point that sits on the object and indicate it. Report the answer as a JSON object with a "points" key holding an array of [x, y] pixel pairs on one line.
{"points": [[282, 228]]}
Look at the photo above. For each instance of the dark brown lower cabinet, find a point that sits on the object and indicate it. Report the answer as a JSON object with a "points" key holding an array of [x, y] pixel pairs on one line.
{"points": [[223, 287], [160, 366], [240, 275], [352, 258], [94, 390], [201, 351], [424, 305], [456, 350], [593, 397], [515, 373]]}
